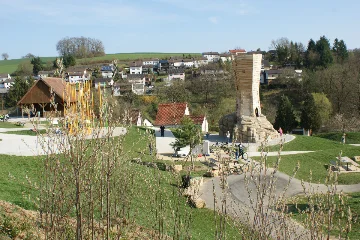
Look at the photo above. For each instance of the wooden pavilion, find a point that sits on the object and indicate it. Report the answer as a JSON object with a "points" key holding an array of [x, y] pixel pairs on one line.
{"points": [[43, 95]]}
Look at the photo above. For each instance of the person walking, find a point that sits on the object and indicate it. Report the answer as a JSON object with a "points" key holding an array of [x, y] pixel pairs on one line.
{"points": [[150, 148], [228, 136], [280, 131], [162, 130], [241, 151], [343, 138]]}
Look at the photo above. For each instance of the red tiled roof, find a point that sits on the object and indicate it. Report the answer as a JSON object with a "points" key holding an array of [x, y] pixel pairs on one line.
{"points": [[197, 119], [237, 51], [170, 113]]}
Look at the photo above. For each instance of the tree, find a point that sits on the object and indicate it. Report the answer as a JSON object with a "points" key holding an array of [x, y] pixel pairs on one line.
{"points": [[80, 47], [24, 69], [5, 56], [69, 60], [285, 117], [188, 134], [323, 106], [17, 91], [311, 56], [310, 117], [37, 65], [324, 51], [29, 55], [340, 51]]}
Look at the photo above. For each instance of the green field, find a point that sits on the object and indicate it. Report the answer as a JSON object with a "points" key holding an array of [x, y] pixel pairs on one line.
{"points": [[9, 66], [316, 162], [15, 188]]}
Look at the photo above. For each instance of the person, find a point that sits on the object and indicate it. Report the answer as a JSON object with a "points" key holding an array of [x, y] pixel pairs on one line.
{"points": [[207, 135], [241, 150], [228, 136], [280, 131], [162, 130], [237, 153], [343, 138], [150, 148]]}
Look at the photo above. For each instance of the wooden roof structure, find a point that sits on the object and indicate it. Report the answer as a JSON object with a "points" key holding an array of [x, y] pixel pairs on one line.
{"points": [[40, 92]]}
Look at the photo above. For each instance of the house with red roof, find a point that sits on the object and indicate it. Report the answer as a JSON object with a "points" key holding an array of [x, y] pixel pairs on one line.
{"points": [[171, 114]]}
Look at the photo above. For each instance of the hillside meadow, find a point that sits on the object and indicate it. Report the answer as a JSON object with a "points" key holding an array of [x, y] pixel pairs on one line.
{"points": [[9, 66]]}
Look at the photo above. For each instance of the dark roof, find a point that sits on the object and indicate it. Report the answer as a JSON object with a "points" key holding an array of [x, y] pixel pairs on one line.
{"points": [[135, 76], [75, 73], [106, 68], [97, 80], [210, 53], [148, 66], [225, 55], [136, 64], [46, 72], [170, 113], [4, 75], [163, 61], [273, 71], [175, 71], [75, 69]]}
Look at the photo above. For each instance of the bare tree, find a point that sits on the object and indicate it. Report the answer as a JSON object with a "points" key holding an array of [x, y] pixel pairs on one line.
{"points": [[5, 56]]}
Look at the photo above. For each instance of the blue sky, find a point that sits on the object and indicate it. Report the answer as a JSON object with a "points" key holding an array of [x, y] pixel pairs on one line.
{"points": [[35, 26]]}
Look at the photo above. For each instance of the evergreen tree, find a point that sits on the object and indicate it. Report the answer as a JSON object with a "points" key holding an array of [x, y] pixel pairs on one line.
{"points": [[310, 116], [17, 91], [311, 56], [37, 65], [285, 117], [69, 60], [340, 50], [324, 51]]}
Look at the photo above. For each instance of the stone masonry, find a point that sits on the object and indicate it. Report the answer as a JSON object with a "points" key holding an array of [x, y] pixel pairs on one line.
{"points": [[251, 126]]}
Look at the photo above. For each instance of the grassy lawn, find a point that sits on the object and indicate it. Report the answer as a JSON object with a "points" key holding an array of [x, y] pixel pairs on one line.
{"points": [[8, 125], [352, 202], [9, 66], [351, 137], [317, 162], [202, 220], [26, 132]]}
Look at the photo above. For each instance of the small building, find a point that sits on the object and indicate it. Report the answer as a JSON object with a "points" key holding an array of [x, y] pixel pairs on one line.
{"points": [[176, 74], [164, 65], [136, 68], [271, 75], [202, 61], [4, 76], [41, 98], [211, 56], [7, 83], [225, 57], [154, 62], [237, 51], [107, 71], [137, 83], [121, 88], [147, 69], [44, 74], [103, 82], [171, 114]]}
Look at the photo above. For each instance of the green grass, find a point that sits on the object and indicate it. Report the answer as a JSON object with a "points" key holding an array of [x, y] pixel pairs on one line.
{"points": [[316, 162], [26, 132], [202, 220], [8, 125], [351, 137], [352, 201], [9, 66]]}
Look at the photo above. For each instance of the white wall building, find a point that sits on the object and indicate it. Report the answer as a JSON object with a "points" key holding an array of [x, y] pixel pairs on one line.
{"points": [[176, 74], [4, 77], [136, 68], [211, 56], [107, 71], [154, 62]]}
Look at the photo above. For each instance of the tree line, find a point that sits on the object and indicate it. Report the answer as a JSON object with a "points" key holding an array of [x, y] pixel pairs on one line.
{"points": [[80, 47]]}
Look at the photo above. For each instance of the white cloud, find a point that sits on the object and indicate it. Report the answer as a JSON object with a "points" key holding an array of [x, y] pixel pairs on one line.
{"points": [[213, 20]]}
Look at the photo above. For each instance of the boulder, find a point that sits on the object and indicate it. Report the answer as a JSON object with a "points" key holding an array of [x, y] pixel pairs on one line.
{"points": [[177, 168], [198, 203]]}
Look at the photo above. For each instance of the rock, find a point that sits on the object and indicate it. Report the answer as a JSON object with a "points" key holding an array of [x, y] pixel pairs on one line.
{"points": [[357, 158], [177, 168], [198, 203]]}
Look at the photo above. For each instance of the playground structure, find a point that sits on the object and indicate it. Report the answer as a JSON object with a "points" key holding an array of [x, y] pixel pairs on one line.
{"points": [[79, 106]]}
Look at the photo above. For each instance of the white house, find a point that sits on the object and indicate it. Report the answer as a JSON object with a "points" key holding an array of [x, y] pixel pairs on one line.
{"points": [[4, 77], [176, 74], [107, 71], [7, 83], [211, 56], [200, 62], [103, 82], [153, 61], [137, 82], [136, 68], [225, 57], [75, 77]]}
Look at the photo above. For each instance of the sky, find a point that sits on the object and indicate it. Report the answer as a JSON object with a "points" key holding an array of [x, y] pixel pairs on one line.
{"points": [[124, 26]]}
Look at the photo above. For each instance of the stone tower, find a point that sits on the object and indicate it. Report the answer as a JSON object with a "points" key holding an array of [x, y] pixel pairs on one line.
{"points": [[252, 126]]}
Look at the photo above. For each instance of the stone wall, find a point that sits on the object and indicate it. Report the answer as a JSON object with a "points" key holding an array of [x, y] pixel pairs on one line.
{"points": [[227, 123]]}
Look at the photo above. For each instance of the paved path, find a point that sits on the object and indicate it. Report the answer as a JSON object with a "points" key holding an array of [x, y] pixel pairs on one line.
{"points": [[23, 145]]}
